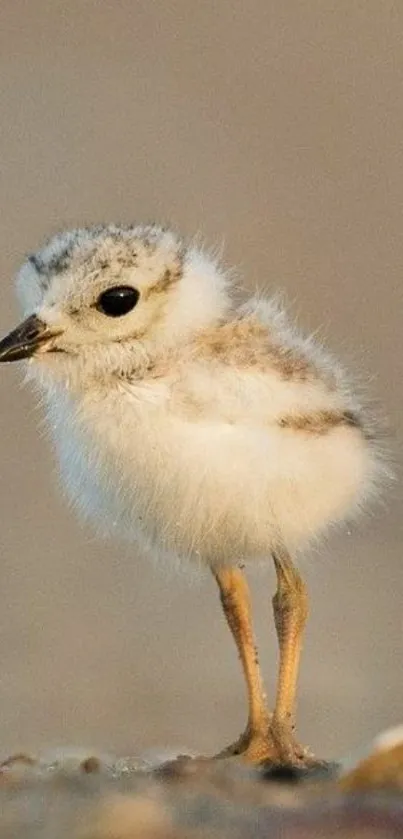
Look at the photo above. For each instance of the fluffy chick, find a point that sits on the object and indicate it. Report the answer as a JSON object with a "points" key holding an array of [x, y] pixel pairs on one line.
{"points": [[204, 429]]}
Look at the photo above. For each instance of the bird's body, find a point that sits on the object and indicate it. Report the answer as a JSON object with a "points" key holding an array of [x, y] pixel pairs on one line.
{"points": [[206, 429], [210, 460]]}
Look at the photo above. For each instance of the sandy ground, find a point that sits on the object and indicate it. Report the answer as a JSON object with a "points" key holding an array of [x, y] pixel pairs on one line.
{"points": [[276, 129], [99, 797]]}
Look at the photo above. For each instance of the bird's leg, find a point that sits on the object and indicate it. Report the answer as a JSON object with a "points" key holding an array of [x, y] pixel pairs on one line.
{"points": [[268, 736], [290, 607], [235, 599]]}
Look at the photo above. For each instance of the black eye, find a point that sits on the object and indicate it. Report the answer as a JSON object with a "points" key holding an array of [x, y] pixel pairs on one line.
{"points": [[118, 301]]}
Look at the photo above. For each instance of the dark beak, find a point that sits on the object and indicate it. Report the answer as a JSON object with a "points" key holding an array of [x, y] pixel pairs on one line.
{"points": [[25, 340]]}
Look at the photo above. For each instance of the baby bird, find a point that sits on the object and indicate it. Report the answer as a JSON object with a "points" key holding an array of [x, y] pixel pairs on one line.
{"points": [[201, 428]]}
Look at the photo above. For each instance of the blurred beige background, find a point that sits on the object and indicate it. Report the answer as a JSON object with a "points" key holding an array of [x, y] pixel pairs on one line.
{"points": [[276, 128]]}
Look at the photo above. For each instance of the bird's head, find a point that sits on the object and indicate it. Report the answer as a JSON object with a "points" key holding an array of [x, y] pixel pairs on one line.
{"points": [[106, 300]]}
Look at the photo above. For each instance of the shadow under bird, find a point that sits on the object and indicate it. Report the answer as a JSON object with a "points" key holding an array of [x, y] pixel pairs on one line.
{"points": [[197, 427]]}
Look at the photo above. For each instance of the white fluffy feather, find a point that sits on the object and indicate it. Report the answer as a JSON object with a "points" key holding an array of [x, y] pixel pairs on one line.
{"points": [[170, 444]]}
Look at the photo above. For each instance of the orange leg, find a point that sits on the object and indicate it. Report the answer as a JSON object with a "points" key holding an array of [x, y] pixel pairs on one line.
{"points": [[267, 736], [235, 600], [290, 607]]}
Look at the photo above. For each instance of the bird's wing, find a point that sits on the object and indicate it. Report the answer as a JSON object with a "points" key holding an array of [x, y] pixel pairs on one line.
{"points": [[255, 368]]}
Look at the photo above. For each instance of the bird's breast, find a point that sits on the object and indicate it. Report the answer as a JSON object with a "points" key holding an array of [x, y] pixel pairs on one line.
{"points": [[213, 490]]}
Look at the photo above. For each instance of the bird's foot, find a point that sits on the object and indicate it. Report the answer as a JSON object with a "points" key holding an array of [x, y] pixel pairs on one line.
{"points": [[274, 743]]}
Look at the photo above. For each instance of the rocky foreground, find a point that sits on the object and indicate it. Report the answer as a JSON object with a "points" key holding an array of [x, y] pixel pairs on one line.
{"points": [[73, 796]]}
